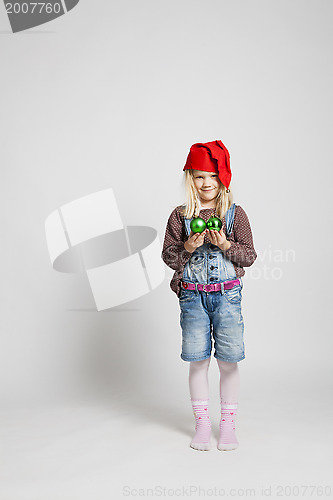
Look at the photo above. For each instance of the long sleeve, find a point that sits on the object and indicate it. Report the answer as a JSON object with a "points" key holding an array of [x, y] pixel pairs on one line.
{"points": [[241, 251], [174, 254]]}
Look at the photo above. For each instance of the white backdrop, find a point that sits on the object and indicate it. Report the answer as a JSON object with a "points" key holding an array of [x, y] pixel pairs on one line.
{"points": [[113, 94]]}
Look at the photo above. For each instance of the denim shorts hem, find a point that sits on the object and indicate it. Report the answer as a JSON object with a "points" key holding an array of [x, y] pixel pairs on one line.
{"points": [[198, 358], [230, 360]]}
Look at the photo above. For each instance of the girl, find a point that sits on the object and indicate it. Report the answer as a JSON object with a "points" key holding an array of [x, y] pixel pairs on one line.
{"points": [[208, 282]]}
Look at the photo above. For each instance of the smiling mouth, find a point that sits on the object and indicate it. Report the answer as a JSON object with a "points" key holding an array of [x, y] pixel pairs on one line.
{"points": [[207, 190]]}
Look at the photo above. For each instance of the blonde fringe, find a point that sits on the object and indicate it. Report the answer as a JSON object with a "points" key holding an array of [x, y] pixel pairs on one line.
{"points": [[191, 208]]}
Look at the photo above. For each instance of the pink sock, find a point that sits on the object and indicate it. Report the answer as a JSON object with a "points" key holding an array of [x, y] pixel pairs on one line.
{"points": [[201, 439], [227, 438]]}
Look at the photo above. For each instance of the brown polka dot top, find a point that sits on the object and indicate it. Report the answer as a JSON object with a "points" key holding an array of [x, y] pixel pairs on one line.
{"points": [[241, 252]]}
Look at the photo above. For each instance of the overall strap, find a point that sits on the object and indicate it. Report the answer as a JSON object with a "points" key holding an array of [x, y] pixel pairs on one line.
{"points": [[187, 226], [229, 219]]}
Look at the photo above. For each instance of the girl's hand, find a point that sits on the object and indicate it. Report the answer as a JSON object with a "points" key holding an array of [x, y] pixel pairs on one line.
{"points": [[217, 238], [194, 241]]}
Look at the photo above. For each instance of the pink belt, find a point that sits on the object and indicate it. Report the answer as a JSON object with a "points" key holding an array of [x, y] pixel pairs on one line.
{"points": [[213, 287]]}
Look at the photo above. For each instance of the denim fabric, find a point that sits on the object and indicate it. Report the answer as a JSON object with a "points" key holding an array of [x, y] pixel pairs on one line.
{"points": [[204, 315]]}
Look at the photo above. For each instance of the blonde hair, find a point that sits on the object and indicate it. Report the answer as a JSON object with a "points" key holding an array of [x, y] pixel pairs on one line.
{"points": [[191, 208]]}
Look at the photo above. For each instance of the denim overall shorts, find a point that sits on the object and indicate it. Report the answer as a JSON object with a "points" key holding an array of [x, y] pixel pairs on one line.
{"points": [[217, 314]]}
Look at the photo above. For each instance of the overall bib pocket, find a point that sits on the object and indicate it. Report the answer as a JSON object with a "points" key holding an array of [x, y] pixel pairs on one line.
{"points": [[196, 261]]}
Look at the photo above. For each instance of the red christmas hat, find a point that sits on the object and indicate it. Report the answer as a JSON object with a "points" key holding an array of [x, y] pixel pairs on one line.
{"points": [[210, 157]]}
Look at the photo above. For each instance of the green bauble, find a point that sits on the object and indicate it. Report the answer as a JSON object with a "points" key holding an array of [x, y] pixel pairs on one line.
{"points": [[197, 225], [214, 223]]}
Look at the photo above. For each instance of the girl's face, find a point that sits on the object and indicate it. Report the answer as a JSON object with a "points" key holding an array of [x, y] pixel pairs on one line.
{"points": [[207, 184]]}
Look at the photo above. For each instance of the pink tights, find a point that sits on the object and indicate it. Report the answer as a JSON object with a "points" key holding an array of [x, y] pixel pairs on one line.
{"points": [[229, 380], [229, 386]]}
